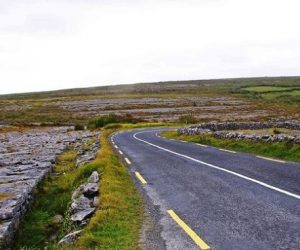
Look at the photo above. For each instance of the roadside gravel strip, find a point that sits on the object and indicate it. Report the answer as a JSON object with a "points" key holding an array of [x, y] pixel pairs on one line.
{"points": [[209, 198]]}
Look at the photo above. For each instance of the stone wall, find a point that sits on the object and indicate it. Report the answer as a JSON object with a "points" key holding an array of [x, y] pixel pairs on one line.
{"points": [[25, 159], [219, 130]]}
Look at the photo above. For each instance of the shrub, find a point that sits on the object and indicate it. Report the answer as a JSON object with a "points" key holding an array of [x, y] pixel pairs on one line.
{"points": [[276, 131], [102, 121], [187, 119], [113, 126], [79, 127]]}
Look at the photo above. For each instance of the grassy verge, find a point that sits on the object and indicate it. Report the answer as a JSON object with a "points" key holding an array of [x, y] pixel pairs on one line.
{"points": [[118, 222], [280, 150]]}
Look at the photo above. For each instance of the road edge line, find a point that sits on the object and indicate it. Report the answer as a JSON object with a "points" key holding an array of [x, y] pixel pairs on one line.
{"points": [[127, 160], [226, 150], [279, 190], [270, 159], [190, 232], [141, 178]]}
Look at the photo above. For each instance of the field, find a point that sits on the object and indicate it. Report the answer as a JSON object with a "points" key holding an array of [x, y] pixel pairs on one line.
{"points": [[204, 100], [288, 93]]}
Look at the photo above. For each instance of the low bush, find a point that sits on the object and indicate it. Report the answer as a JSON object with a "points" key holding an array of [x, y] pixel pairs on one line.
{"points": [[78, 127], [104, 120], [113, 126], [276, 131], [187, 119]]}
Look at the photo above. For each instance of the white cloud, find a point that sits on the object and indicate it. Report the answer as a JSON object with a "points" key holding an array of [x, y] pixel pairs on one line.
{"points": [[62, 44]]}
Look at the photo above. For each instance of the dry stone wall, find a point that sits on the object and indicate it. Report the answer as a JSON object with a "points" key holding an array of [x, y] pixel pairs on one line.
{"points": [[220, 130]]}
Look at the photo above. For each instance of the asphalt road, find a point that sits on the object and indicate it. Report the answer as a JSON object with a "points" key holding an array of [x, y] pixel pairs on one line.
{"points": [[230, 200]]}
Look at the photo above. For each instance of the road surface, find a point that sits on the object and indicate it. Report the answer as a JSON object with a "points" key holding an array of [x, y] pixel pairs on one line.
{"points": [[203, 197]]}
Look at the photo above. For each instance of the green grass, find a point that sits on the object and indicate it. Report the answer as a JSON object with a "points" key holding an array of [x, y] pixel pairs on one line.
{"points": [[280, 150], [118, 222], [266, 88], [273, 95]]}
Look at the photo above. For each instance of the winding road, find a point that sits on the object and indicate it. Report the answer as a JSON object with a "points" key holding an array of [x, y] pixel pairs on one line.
{"points": [[208, 198]]}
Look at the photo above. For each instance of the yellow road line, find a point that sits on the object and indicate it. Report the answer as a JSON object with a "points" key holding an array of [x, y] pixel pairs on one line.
{"points": [[202, 145], [270, 159], [140, 177], [127, 160], [120, 152], [226, 150], [199, 242]]}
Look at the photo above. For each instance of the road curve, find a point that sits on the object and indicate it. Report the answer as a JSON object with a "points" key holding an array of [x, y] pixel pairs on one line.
{"points": [[229, 200]]}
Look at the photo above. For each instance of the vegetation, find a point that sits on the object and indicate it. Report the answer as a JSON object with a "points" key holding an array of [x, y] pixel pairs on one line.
{"points": [[187, 119], [78, 127], [104, 120], [276, 131], [116, 225], [284, 91], [263, 89], [280, 150]]}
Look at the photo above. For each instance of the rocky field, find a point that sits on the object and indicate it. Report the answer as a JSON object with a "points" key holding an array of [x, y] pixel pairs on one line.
{"points": [[205, 100]]}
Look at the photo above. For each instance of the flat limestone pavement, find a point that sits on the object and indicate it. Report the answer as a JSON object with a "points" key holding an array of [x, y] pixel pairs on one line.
{"points": [[257, 207]]}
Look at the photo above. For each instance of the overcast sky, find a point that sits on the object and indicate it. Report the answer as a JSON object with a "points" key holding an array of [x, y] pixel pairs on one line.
{"points": [[58, 44]]}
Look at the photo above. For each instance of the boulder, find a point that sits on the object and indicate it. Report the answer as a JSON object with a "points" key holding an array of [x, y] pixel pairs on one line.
{"points": [[91, 189], [81, 203], [94, 178], [82, 215], [58, 219], [96, 201], [69, 238], [77, 192]]}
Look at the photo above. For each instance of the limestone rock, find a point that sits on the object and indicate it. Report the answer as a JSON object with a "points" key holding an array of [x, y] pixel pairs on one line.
{"points": [[94, 178], [83, 214], [81, 203], [70, 238], [96, 201], [91, 189]]}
